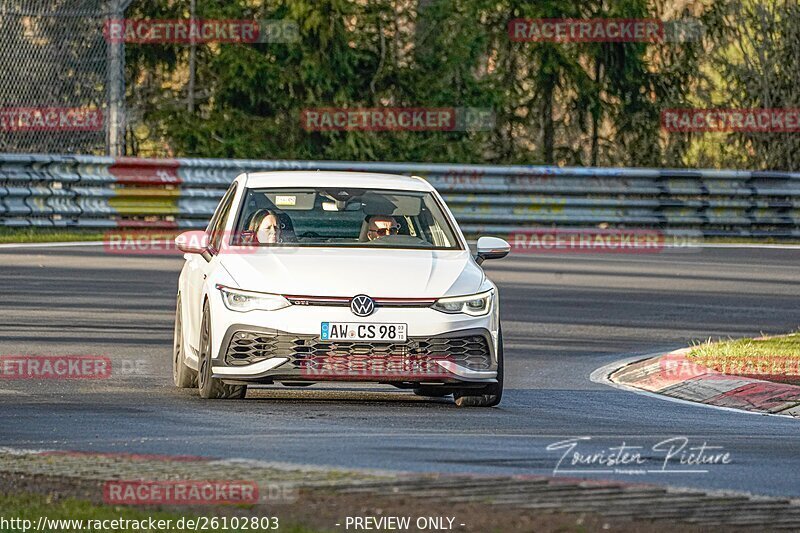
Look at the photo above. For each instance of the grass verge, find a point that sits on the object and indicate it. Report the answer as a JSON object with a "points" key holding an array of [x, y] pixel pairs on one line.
{"points": [[315, 510], [768, 358], [33, 234]]}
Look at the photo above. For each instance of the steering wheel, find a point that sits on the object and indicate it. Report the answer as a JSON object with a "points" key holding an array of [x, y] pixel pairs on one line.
{"points": [[310, 234]]}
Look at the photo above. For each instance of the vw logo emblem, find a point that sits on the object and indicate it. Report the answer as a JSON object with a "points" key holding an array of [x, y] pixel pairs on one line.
{"points": [[362, 305]]}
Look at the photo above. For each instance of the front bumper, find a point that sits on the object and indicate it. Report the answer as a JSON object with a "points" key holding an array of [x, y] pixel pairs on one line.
{"points": [[265, 355]]}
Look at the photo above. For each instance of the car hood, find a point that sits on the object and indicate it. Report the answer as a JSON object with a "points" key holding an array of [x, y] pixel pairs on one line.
{"points": [[347, 272]]}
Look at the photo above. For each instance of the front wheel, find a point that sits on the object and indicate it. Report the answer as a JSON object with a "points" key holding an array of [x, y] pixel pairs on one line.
{"points": [[490, 395], [183, 376], [209, 386]]}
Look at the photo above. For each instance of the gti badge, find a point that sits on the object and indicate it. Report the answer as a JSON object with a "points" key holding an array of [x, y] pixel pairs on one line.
{"points": [[362, 305]]}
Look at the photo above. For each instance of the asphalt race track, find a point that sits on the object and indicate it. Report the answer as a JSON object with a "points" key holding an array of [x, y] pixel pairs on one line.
{"points": [[564, 316]]}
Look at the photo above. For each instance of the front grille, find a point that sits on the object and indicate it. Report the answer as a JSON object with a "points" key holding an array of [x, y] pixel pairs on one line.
{"points": [[245, 347]]}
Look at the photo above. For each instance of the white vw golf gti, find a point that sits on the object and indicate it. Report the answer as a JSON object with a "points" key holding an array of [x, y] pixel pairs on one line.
{"points": [[307, 277]]}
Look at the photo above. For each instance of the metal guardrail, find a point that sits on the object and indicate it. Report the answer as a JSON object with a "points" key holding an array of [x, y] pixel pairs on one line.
{"points": [[102, 192]]}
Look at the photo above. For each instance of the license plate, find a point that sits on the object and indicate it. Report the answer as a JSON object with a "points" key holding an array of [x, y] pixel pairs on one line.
{"points": [[361, 331]]}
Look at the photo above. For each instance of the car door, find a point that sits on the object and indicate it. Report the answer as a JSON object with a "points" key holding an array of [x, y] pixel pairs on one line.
{"points": [[199, 267]]}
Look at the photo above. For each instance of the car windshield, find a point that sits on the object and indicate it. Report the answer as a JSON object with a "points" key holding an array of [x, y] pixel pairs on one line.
{"points": [[343, 217]]}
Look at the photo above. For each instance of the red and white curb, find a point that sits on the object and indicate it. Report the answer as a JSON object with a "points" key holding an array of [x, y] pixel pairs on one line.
{"points": [[675, 376]]}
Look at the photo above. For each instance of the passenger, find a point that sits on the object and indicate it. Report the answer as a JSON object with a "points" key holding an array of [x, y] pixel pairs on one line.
{"points": [[380, 226]]}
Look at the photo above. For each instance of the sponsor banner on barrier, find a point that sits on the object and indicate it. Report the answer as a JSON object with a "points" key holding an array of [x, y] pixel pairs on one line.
{"points": [[21, 119], [54, 367], [786, 120], [136, 171], [397, 119], [186, 31]]}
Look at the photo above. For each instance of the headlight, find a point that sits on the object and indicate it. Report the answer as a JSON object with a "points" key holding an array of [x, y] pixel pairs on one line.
{"points": [[474, 304], [237, 300]]}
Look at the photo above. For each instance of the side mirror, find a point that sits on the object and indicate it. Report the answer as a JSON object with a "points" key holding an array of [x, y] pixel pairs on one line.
{"points": [[491, 248], [192, 242]]}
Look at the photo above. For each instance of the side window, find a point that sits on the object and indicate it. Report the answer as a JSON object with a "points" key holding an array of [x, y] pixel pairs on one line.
{"points": [[218, 210], [216, 227]]}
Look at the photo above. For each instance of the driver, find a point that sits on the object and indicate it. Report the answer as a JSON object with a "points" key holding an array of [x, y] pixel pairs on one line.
{"points": [[265, 227], [381, 226]]}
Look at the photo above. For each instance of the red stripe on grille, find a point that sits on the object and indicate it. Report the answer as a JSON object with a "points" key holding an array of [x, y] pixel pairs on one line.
{"points": [[346, 300]]}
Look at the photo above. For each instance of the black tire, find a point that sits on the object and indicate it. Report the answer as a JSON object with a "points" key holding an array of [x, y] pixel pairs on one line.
{"points": [[210, 387], [183, 376], [490, 395], [432, 391]]}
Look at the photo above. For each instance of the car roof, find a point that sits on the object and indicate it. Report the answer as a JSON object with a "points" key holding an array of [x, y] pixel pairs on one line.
{"points": [[324, 178]]}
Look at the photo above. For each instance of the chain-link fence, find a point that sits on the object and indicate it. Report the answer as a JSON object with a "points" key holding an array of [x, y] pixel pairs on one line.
{"points": [[61, 80]]}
